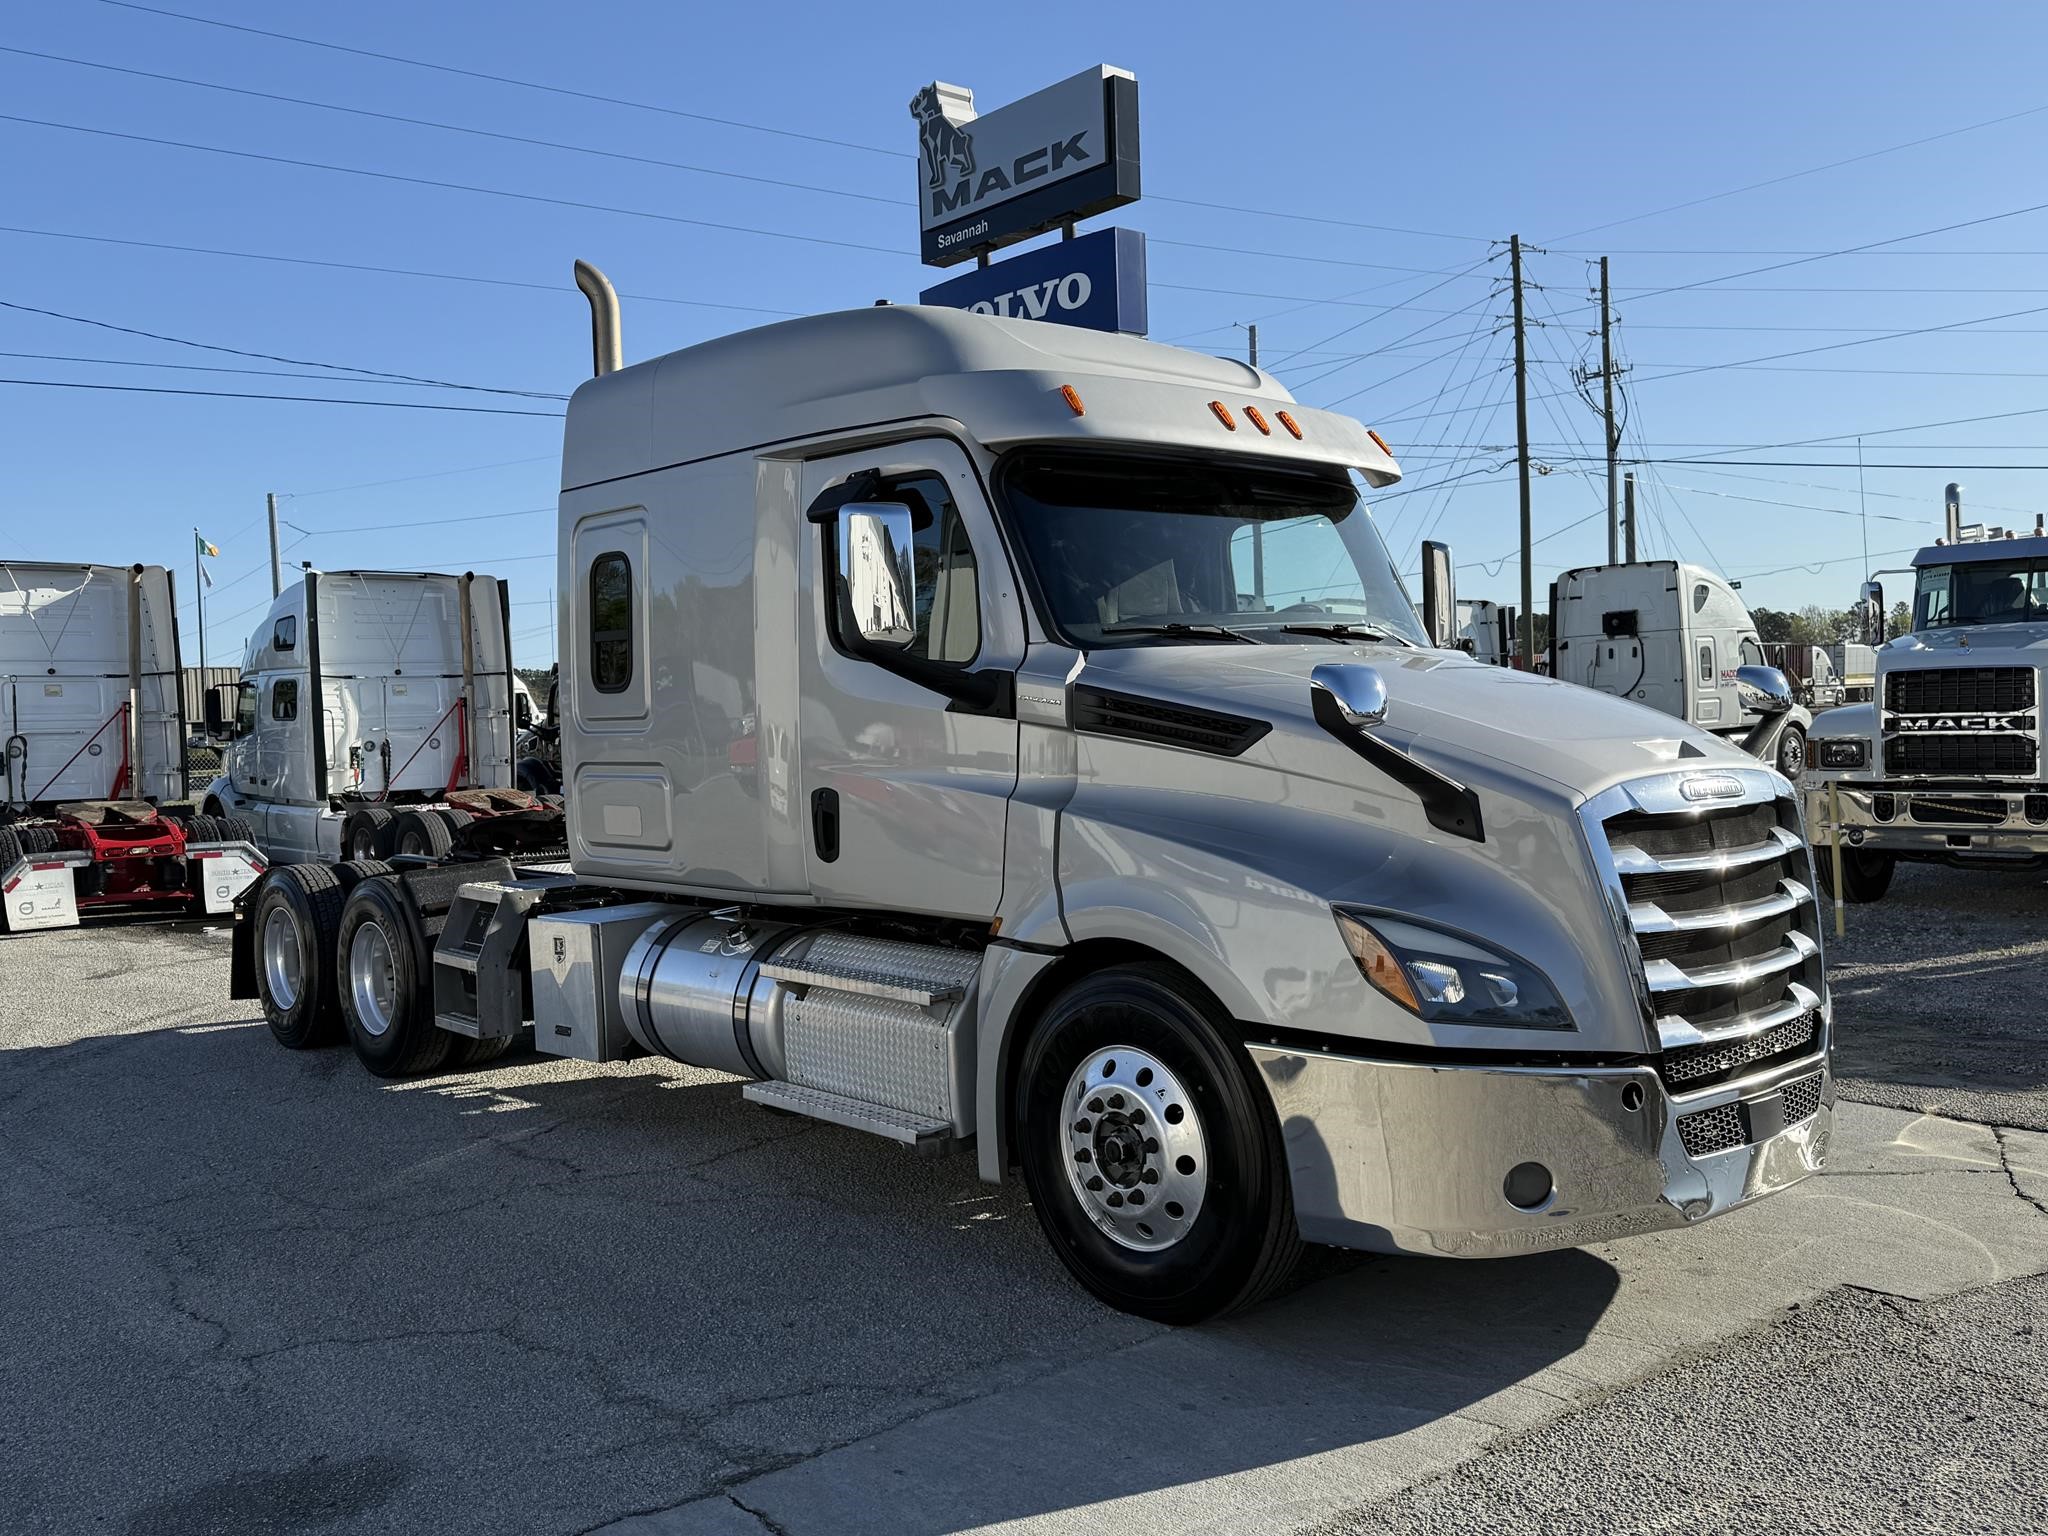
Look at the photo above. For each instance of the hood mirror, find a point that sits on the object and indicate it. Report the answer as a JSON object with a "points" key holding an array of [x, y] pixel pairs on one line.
{"points": [[1359, 693], [1763, 690], [1439, 595], [876, 562]]}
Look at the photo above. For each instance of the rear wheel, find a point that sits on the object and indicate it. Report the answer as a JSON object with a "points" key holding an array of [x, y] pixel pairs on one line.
{"points": [[234, 829], [420, 832], [36, 840], [384, 994], [1866, 873], [11, 850], [362, 833], [297, 913], [1150, 1150]]}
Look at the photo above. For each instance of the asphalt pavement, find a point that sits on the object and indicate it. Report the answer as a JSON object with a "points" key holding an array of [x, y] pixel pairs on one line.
{"points": [[249, 1290]]}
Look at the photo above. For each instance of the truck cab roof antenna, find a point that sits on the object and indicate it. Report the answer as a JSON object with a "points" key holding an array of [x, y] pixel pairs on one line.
{"points": [[604, 318]]}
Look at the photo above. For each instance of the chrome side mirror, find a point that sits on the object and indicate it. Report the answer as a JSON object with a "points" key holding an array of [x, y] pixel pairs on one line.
{"points": [[1873, 613], [877, 563], [1763, 690], [1439, 595], [1359, 692]]}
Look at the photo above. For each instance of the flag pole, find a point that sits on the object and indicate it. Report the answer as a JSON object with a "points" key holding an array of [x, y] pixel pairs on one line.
{"points": [[199, 595]]}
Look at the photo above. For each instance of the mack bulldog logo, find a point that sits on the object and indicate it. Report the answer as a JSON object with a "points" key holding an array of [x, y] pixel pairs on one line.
{"points": [[1909, 725], [948, 149]]}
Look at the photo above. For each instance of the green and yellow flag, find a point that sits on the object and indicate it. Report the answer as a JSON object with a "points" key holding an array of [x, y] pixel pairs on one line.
{"points": [[207, 547]]}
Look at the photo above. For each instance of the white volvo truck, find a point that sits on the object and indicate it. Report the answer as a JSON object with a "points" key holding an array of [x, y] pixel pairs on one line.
{"points": [[92, 743], [1944, 765], [1675, 637], [376, 714], [1210, 897]]}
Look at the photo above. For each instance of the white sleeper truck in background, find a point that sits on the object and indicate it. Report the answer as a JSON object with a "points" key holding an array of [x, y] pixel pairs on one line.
{"points": [[990, 734]]}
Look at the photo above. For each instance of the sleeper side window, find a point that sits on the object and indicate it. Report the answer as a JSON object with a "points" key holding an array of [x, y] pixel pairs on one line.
{"points": [[284, 699], [285, 637], [611, 622]]}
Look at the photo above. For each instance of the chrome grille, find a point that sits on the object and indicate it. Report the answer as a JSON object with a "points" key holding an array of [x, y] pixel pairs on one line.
{"points": [[1959, 690], [1802, 1099], [1937, 720], [1712, 1130], [1720, 906], [2004, 754]]}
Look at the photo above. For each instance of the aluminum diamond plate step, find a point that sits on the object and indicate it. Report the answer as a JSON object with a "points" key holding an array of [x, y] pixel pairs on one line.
{"points": [[838, 1109]]}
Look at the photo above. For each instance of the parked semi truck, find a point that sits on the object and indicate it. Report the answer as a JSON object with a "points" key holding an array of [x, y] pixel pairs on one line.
{"points": [[1944, 764], [92, 743], [1677, 638], [377, 713], [1072, 830]]}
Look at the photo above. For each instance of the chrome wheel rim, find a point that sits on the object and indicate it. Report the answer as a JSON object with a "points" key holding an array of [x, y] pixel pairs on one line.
{"points": [[1135, 1155], [283, 966], [1792, 760], [372, 979]]}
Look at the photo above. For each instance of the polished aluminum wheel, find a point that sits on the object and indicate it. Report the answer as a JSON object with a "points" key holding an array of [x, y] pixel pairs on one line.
{"points": [[372, 979], [284, 970], [1133, 1147]]}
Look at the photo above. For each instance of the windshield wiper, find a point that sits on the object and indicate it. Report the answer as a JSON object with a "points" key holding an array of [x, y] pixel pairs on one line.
{"points": [[1184, 632], [1346, 632]]}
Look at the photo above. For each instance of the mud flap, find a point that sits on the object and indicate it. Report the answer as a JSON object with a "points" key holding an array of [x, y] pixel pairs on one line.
{"points": [[221, 874], [242, 949], [38, 894]]}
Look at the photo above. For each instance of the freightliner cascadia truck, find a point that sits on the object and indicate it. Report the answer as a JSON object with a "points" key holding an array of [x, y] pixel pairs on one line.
{"points": [[985, 733], [92, 753], [1944, 764]]}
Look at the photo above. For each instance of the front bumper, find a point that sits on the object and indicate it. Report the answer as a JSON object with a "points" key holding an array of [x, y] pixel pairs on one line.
{"points": [[1405, 1157], [1980, 822]]}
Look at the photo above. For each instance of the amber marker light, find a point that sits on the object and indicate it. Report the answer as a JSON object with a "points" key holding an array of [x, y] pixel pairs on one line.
{"points": [[1073, 398], [1251, 413], [1223, 414], [1287, 421], [1381, 441], [1376, 962]]}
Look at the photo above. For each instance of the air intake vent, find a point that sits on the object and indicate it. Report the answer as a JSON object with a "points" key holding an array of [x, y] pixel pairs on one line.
{"points": [[1960, 690], [1103, 713]]}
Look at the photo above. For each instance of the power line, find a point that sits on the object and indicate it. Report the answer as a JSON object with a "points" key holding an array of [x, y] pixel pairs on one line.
{"points": [[272, 357], [415, 522], [432, 474], [224, 394], [261, 373]]}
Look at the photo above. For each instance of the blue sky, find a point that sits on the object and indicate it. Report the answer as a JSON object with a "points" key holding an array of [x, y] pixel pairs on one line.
{"points": [[1458, 125]]}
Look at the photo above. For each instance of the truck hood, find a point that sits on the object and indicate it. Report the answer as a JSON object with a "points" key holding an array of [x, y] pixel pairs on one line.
{"points": [[1968, 642], [1443, 705]]}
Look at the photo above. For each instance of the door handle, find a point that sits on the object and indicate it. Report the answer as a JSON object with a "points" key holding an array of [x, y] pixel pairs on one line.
{"points": [[825, 823]]}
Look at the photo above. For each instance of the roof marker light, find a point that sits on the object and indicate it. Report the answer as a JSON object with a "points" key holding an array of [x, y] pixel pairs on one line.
{"points": [[1073, 398], [1223, 414], [1252, 415], [1381, 441], [1287, 421]]}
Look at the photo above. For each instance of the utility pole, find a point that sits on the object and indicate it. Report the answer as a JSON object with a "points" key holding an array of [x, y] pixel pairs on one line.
{"points": [[1607, 399], [1629, 516], [1254, 330], [1528, 624], [276, 570]]}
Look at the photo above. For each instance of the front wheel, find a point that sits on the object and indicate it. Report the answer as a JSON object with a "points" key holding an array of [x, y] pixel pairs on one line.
{"points": [[1866, 873], [1151, 1151], [1792, 753]]}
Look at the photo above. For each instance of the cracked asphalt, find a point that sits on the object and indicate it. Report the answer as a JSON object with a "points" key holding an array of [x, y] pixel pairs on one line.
{"points": [[249, 1290]]}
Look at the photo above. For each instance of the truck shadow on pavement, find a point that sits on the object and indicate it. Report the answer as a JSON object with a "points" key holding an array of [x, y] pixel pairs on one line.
{"points": [[256, 1288]]}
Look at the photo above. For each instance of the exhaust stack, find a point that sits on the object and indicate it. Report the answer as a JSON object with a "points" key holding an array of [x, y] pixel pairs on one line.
{"points": [[604, 318], [1952, 503]]}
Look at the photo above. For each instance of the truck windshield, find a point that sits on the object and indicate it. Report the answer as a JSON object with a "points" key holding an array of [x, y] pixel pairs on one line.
{"points": [[1980, 592], [1138, 551]]}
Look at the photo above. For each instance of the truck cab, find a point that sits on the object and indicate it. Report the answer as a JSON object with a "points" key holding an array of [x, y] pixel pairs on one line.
{"points": [[1944, 764], [363, 693], [1674, 637]]}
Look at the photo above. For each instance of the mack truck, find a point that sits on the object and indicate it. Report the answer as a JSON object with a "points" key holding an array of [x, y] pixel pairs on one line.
{"points": [[1944, 764], [92, 753], [377, 713], [1678, 638], [1104, 810]]}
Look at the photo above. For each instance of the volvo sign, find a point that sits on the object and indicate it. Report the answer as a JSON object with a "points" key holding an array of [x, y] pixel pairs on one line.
{"points": [[1060, 154], [1095, 280]]}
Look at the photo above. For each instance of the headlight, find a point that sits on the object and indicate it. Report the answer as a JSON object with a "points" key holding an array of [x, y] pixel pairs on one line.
{"points": [[1447, 978], [1843, 752]]}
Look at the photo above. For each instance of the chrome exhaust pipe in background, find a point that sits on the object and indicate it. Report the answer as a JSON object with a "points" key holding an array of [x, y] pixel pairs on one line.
{"points": [[604, 318]]}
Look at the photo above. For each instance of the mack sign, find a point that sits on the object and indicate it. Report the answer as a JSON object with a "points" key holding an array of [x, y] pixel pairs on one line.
{"points": [[1057, 155], [1095, 280]]}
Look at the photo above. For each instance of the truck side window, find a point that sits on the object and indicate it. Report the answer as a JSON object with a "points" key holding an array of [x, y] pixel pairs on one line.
{"points": [[611, 622], [948, 600], [245, 709], [285, 637], [284, 699], [1752, 654], [1707, 663]]}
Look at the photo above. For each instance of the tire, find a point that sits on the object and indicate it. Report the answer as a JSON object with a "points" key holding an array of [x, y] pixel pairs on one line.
{"points": [[1142, 1033], [234, 829], [464, 1053], [354, 872], [362, 833], [418, 832], [11, 849], [201, 829], [297, 913], [382, 960], [1866, 873], [1790, 758], [36, 840]]}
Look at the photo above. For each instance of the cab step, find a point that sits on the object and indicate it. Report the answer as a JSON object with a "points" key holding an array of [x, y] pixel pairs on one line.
{"points": [[912, 1130]]}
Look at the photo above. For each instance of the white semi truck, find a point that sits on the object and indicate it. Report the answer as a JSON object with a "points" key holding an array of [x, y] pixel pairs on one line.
{"points": [[92, 745], [1677, 638], [377, 713], [1944, 764], [981, 732]]}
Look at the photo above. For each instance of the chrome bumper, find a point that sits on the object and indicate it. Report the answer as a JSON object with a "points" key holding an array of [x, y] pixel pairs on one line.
{"points": [[2012, 836], [1399, 1157]]}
